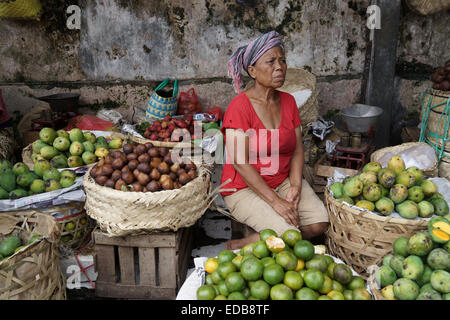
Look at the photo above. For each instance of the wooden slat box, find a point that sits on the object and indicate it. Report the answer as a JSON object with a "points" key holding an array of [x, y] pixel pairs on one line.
{"points": [[150, 266]]}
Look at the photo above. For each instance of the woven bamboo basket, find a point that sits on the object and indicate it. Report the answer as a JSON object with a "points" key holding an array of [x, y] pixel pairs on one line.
{"points": [[431, 171], [34, 272], [360, 238], [373, 285], [427, 7], [74, 224], [161, 143], [121, 213]]}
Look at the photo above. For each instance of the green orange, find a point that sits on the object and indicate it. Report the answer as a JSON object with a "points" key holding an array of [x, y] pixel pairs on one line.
{"points": [[314, 279], [293, 280], [356, 282], [206, 292], [252, 269], [225, 268], [291, 236], [327, 285], [260, 249], [304, 250], [236, 296], [306, 293], [266, 233], [216, 277], [281, 292], [336, 295], [287, 260], [235, 282], [226, 256], [273, 274], [260, 290]]}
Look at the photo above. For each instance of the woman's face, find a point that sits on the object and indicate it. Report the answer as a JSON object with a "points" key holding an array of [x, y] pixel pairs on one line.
{"points": [[270, 69]]}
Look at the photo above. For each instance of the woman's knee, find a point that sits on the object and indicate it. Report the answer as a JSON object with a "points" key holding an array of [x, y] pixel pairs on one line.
{"points": [[316, 229]]}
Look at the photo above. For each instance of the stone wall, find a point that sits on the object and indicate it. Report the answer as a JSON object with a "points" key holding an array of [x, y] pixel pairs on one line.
{"points": [[125, 48]]}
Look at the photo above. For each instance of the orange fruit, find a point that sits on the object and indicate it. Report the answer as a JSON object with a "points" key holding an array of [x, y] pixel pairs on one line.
{"points": [[293, 280], [306, 293], [327, 285], [304, 250], [300, 265], [226, 256], [336, 295], [314, 279], [273, 274], [291, 236], [225, 268], [266, 233], [260, 290], [281, 292], [211, 265], [252, 269], [206, 292], [275, 244], [287, 260], [234, 282]]}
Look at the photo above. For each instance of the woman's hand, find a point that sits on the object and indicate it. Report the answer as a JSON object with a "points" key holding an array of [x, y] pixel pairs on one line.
{"points": [[286, 210], [293, 196]]}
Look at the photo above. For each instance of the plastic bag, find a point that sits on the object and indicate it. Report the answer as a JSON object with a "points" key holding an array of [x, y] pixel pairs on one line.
{"points": [[188, 103], [88, 122]]}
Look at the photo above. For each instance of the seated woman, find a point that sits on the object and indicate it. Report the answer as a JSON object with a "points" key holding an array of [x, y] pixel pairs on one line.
{"points": [[265, 150]]}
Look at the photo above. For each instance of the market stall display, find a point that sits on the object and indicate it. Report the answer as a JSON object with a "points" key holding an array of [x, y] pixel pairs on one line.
{"points": [[127, 209], [29, 267], [361, 232], [18, 181], [71, 149], [279, 268], [394, 187], [417, 268]]}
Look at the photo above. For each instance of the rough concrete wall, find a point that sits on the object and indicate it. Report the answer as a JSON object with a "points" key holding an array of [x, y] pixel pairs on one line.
{"points": [[124, 48], [195, 39]]}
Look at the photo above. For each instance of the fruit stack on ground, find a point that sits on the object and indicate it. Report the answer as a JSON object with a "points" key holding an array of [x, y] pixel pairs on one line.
{"points": [[277, 268]]}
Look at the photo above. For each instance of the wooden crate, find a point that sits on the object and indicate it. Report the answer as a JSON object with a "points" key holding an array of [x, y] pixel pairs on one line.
{"points": [[149, 266]]}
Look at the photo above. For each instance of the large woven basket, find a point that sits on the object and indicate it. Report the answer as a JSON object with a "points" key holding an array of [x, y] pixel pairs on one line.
{"points": [[427, 7], [360, 238], [431, 171], [34, 272], [74, 224], [121, 213]]}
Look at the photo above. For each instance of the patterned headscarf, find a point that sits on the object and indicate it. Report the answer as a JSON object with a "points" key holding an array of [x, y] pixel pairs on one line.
{"points": [[247, 55]]}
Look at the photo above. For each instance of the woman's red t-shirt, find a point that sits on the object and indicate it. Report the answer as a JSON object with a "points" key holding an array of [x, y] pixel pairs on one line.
{"points": [[273, 161]]}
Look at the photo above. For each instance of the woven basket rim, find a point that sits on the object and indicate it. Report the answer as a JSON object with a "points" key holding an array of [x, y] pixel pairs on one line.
{"points": [[362, 214], [161, 143], [401, 147], [33, 253]]}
